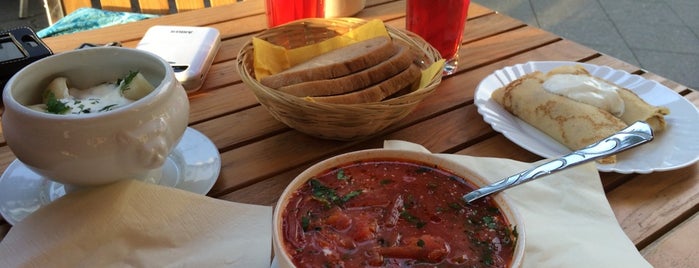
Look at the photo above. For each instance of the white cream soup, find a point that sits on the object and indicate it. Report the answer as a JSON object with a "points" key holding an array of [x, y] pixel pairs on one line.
{"points": [[59, 98]]}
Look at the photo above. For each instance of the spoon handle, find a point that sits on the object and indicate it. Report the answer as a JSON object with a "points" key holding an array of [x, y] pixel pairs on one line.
{"points": [[635, 134]]}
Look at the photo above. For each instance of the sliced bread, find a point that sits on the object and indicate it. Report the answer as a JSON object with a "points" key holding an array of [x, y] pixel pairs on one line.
{"points": [[336, 63], [376, 92], [354, 81]]}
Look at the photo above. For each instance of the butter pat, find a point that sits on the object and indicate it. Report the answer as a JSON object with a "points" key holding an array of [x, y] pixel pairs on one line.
{"points": [[588, 90]]}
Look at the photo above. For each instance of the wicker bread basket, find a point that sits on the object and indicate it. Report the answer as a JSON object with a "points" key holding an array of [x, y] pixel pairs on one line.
{"points": [[326, 120]]}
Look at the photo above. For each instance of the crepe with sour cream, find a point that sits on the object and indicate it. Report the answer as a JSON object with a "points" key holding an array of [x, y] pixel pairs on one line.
{"points": [[575, 108], [633, 108]]}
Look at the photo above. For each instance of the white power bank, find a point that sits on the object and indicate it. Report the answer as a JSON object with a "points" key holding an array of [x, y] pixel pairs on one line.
{"points": [[189, 50]]}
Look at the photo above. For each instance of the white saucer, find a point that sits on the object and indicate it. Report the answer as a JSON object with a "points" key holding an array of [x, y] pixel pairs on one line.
{"points": [[193, 166]]}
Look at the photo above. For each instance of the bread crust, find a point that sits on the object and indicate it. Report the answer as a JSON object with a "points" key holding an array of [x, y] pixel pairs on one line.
{"points": [[354, 81], [336, 63], [376, 92]]}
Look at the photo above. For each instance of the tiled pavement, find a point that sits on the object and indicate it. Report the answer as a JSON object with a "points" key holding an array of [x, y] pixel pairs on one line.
{"points": [[662, 36]]}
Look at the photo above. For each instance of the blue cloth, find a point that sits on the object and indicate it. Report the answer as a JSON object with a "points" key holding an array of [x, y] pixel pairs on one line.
{"points": [[90, 18]]}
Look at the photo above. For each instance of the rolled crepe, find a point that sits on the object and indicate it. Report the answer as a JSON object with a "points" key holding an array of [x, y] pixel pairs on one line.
{"points": [[635, 108], [573, 124]]}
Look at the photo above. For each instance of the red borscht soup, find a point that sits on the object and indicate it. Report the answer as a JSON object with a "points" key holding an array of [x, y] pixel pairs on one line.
{"points": [[393, 213]]}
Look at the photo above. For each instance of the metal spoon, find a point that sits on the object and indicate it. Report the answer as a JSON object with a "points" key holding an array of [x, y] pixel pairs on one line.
{"points": [[634, 135]]}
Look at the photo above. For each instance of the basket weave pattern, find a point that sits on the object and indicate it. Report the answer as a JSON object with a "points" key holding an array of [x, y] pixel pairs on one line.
{"points": [[326, 120]]}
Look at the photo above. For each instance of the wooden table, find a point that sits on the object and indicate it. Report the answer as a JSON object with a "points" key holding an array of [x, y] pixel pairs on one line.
{"points": [[260, 155]]}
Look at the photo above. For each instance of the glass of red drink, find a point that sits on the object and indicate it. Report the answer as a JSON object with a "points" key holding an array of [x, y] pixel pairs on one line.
{"points": [[283, 11], [441, 23]]}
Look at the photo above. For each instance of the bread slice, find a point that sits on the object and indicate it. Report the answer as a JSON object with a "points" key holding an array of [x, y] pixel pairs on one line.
{"points": [[376, 92], [336, 63], [354, 81]]}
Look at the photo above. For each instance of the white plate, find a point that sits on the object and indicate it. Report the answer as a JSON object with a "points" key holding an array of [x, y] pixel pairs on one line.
{"points": [[675, 147], [193, 166]]}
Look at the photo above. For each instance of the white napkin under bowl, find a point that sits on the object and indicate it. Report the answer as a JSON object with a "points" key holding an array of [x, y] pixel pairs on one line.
{"points": [[566, 215], [137, 224]]}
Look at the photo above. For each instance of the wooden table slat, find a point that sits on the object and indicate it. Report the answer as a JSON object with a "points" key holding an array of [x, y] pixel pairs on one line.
{"points": [[260, 155], [677, 248]]}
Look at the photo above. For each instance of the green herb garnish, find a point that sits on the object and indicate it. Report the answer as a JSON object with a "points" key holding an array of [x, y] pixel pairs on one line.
{"points": [[420, 243], [328, 196], [305, 223], [412, 219], [55, 106], [124, 84], [514, 232], [489, 222], [432, 186], [341, 174], [322, 192], [108, 108], [350, 195], [488, 259]]}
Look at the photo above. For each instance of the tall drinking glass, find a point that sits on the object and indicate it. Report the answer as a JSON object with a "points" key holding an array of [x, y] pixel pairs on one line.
{"points": [[441, 23], [283, 11]]}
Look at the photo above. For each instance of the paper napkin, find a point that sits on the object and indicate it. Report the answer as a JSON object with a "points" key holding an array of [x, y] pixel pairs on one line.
{"points": [[270, 59], [567, 219], [136, 224]]}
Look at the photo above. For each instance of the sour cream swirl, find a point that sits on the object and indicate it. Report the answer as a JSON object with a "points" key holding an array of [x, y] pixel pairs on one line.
{"points": [[587, 89]]}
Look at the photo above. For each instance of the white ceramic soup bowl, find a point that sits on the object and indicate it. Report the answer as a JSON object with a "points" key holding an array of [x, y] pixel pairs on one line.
{"points": [[501, 201], [130, 142]]}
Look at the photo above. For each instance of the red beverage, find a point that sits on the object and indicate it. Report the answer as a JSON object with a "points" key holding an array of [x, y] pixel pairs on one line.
{"points": [[440, 22], [283, 11]]}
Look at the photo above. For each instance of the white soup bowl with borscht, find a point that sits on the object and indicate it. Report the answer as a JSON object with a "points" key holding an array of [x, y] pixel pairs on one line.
{"points": [[394, 208], [94, 116]]}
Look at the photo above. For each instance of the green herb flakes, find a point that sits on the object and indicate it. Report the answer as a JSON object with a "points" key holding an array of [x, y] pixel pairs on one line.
{"points": [[305, 223], [412, 219], [54, 105], [489, 221], [108, 108], [488, 259], [432, 186], [350, 195], [341, 174], [124, 84], [328, 196]]}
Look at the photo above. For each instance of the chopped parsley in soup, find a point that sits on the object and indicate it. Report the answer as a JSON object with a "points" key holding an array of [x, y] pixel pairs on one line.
{"points": [[393, 213], [59, 98]]}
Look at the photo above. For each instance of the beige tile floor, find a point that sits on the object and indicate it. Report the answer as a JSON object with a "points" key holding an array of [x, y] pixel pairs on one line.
{"points": [[661, 36]]}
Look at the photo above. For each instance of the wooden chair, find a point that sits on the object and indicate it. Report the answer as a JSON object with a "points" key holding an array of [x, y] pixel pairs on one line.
{"points": [[57, 9]]}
